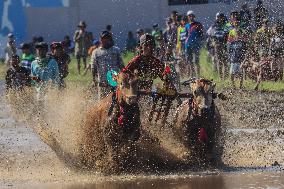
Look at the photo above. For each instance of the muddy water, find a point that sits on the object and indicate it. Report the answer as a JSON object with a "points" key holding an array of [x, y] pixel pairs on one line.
{"points": [[250, 151]]}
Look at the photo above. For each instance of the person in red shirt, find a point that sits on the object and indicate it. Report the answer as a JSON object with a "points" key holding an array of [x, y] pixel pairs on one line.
{"points": [[147, 66]]}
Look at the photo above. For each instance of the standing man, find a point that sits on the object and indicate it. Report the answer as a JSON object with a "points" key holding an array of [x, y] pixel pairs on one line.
{"points": [[260, 13], [62, 59], [44, 69], [106, 58], [194, 33], [11, 49], [172, 33], [81, 40]]}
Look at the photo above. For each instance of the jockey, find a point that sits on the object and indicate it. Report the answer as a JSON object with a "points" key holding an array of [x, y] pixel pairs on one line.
{"points": [[148, 67]]}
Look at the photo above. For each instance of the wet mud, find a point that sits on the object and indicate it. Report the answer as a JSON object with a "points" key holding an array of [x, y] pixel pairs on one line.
{"points": [[49, 153]]}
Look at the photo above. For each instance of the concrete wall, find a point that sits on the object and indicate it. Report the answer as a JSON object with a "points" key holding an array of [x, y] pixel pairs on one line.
{"points": [[53, 23]]}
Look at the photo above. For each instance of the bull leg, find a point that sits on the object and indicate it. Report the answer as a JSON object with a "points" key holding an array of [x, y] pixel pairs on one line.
{"points": [[153, 109], [166, 112], [160, 110]]}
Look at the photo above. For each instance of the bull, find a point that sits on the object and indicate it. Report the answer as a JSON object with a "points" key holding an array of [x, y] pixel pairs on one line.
{"points": [[198, 122], [105, 136]]}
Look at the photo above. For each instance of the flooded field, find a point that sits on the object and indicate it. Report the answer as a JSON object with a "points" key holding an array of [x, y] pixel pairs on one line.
{"points": [[253, 151]]}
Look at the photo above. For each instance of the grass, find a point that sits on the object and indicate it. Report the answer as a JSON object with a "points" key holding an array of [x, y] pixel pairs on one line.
{"points": [[206, 72]]}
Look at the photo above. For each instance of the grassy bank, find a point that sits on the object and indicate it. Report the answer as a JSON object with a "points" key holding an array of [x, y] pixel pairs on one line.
{"points": [[206, 71]]}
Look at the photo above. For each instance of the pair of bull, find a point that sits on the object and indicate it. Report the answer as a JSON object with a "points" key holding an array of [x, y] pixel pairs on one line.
{"points": [[197, 123]]}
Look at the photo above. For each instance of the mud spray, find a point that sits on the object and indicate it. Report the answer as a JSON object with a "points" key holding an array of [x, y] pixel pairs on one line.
{"points": [[65, 121]]}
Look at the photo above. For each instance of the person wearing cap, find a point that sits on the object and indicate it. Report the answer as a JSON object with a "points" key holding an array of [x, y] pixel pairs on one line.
{"points": [[146, 64], [81, 40], [194, 38], [44, 69], [10, 49], [105, 58], [27, 57], [62, 59], [217, 35], [17, 76]]}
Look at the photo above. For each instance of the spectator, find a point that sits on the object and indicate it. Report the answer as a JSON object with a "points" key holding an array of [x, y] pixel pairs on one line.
{"points": [[96, 44], [27, 57], [262, 39], [17, 76], [245, 16], [130, 42], [81, 40], [173, 28], [62, 59], [159, 41], [260, 13], [10, 49], [44, 69], [139, 33], [108, 28], [218, 37], [106, 58], [194, 33], [67, 44], [181, 37], [236, 50]]}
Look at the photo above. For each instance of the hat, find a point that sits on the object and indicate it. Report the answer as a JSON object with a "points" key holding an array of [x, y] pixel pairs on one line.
{"points": [[54, 45], [10, 35], [25, 46], [147, 39], [140, 30], [82, 24], [41, 45], [105, 34], [190, 12], [96, 42], [155, 25]]}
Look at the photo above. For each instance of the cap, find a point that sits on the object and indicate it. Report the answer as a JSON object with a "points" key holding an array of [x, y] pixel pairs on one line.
{"points": [[105, 34], [147, 39], [54, 45], [82, 24], [190, 12], [24, 46], [10, 35], [140, 30], [41, 45], [155, 25], [96, 42]]}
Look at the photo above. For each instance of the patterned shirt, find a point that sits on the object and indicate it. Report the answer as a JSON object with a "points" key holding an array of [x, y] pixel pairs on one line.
{"points": [[105, 60]]}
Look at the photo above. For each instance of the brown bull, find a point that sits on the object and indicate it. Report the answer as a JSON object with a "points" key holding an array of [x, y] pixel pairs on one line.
{"points": [[198, 122], [106, 136], [268, 69]]}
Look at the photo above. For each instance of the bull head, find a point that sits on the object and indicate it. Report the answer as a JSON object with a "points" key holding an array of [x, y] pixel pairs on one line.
{"points": [[127, 88], [203, 95]]}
